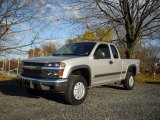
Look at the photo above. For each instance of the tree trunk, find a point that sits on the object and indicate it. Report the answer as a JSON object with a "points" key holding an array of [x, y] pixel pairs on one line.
{"points": [[130, 53], [131, 47]]}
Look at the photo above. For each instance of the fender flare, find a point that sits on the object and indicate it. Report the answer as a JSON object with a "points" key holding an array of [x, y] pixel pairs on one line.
{"points": [[130, 66], [80, 67]]}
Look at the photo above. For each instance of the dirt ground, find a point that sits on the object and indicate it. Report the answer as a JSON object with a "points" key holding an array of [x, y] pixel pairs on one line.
{"points": [[102, 103]]}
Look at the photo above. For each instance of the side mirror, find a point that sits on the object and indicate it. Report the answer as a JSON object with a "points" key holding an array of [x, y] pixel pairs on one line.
{"points": [[99, 55]]}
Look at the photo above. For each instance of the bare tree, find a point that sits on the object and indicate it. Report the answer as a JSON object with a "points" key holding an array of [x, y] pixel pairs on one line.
{"points": [[27, 13], [149, 54], [48, 48], [133, 20], [153, 52]]}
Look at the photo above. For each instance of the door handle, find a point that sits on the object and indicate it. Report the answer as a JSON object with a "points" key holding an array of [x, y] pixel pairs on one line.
{"points": [[110, 62]]}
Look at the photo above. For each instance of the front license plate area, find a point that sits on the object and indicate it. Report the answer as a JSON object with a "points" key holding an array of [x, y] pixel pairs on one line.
{"points": [[28, 83]]}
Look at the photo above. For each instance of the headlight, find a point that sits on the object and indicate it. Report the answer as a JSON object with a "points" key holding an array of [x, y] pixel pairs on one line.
{"points": [[54, 70], [59, 64]]}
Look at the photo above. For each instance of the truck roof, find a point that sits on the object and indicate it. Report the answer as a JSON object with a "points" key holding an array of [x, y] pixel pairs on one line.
{"points": [[94, 42]]}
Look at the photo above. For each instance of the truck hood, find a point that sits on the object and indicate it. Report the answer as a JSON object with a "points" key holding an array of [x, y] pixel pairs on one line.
{"points": [[50, 59]]}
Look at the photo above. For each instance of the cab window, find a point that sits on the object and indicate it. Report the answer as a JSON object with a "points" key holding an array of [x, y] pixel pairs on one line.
{"points": [[114, 51], [102, 52]]}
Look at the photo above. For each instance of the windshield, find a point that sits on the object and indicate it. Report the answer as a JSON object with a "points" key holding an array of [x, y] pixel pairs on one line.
{"points": [[78, 49]]}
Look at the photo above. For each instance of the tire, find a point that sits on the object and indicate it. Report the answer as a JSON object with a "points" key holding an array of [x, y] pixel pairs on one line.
{"points": [[32, 92], [77, 90], [129, 82]]}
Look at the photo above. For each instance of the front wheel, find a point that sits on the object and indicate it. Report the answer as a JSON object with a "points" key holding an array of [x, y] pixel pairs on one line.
{"points": [[129, 82], [77, 90]]}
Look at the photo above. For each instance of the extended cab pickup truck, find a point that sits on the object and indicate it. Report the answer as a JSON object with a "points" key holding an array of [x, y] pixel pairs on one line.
{"points": [[78, 66]]}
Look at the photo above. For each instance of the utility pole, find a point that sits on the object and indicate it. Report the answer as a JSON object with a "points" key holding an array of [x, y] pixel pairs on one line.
{"points": [[9, 66], [4, 59], [3, 66], [17, 63]]}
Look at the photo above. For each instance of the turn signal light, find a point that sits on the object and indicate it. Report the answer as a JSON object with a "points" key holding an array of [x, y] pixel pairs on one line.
{"points": [[62, 64], [60, 73]]}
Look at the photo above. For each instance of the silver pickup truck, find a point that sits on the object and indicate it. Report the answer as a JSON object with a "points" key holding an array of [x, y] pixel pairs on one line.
{"points": [[77, 66]]}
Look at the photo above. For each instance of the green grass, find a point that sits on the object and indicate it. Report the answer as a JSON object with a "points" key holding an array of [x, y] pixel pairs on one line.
{"points": [[7, 77], [148, 78]]}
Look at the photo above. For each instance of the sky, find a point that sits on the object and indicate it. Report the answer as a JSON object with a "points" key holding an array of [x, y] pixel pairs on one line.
{"points": [[58, 27], [55, 25]]}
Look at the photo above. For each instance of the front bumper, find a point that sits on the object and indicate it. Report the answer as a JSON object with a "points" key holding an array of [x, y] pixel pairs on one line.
{"points": [[57, 85]]}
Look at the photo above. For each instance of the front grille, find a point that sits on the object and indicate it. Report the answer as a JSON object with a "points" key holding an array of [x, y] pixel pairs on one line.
{"points": [[35, 70], [34, 64], [32, 72]]}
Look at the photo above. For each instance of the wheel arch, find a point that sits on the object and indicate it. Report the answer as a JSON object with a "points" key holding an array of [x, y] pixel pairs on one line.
{"points": [[83, 70], [132, 68]]}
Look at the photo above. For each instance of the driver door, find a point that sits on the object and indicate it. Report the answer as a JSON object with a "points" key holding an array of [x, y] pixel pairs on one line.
{"points": [[102, 65]]}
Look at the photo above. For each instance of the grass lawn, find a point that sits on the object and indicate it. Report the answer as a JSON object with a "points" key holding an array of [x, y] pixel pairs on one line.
{"points": [[7, 77], [148, 78]]}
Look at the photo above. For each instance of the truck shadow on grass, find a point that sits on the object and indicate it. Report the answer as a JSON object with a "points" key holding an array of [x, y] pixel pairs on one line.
{"points": [[12, 88], [153, 82]]}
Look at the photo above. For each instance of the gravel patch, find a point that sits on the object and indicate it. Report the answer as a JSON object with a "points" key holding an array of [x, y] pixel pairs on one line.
{"points": [[102, 103]]}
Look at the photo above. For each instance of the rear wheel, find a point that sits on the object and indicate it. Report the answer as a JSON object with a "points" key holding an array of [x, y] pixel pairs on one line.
{"points": [[129, 82], [77, 90]]}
